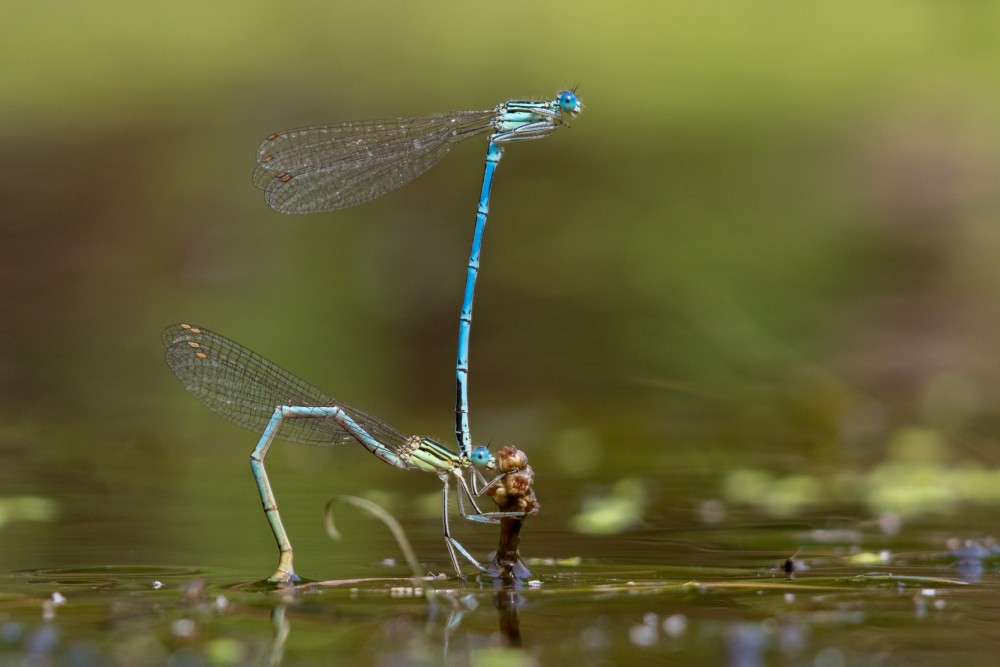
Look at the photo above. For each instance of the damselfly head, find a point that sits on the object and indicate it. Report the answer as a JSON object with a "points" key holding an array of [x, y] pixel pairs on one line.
{"points": [[481, 458], [569, 103]]}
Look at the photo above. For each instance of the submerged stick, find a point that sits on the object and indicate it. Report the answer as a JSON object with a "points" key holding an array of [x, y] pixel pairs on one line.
{"points": [[393, 526], [512, 493]]}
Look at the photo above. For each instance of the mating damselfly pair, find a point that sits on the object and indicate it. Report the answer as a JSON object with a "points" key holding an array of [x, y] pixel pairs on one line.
{"points": [[327, 168]]}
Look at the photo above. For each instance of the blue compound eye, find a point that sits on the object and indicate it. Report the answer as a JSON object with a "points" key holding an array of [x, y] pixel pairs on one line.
{"points": [[481, 457], [568, 101]]}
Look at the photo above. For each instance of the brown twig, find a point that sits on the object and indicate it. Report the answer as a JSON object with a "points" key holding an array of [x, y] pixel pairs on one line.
{"points": [[513, 492]]}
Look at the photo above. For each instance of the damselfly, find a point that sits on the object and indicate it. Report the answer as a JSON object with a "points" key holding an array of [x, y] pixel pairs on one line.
{"points": [[254, 393], [330, 167]]}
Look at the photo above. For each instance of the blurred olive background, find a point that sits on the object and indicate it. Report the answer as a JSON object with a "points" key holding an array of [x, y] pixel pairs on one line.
{"points": [[764, 257]]}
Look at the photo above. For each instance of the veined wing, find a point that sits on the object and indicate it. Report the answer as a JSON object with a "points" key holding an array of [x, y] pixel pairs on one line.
{"points": [[245, 388], [330, 167]]}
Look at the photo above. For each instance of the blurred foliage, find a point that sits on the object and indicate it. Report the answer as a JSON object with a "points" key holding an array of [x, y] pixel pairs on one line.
{"points": [[27, 508], [614, 512]]}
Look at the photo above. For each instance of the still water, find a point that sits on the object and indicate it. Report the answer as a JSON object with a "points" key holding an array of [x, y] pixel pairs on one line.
{"points": [[717, 583]]}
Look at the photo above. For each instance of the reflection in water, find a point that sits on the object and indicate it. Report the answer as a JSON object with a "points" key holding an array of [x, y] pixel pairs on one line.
{"points": [[970, 555], [281, 626], [407, 637], [507, 602], [41, 643], [745, 644], [594, 614]]}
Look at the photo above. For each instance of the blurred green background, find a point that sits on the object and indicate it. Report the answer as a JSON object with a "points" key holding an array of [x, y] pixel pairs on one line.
{"points": [[763, 259]]}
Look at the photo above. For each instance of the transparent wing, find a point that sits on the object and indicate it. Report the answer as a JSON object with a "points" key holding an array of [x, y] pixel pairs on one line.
{"points": [[245, 388], [331, 167]]}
